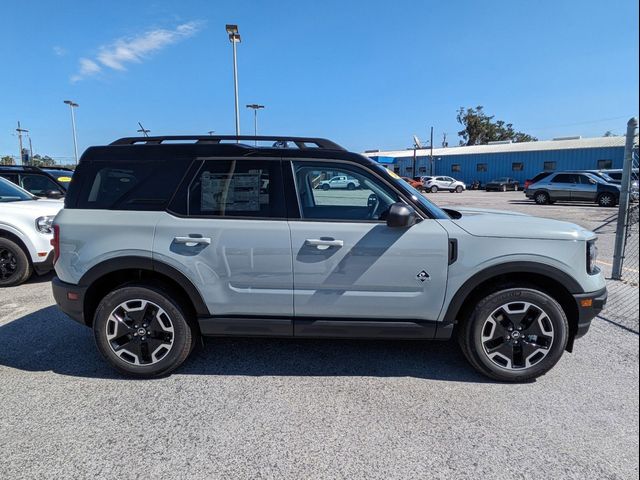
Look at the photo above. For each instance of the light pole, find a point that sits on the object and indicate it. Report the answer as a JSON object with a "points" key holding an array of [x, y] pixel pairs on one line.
{"points": [[73, 105], [234, 37], [211, 132], [255, 107]]}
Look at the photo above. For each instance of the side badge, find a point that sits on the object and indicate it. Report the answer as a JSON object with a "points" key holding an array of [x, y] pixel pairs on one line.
{"points": [[422, 276]]}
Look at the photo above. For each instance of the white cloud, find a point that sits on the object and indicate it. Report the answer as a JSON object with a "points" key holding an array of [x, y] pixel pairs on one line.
{"points": [[59, 51], [134, 49], [87, 68]]}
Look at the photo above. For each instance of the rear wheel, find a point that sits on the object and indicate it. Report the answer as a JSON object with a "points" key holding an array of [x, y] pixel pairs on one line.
{"points": [[541, 198], [504, 188], [515, 335], [15, 267], [434, 189], [607, 200], [142, 331]]}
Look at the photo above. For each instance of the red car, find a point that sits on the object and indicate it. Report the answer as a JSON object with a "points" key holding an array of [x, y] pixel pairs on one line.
{"points": [[414, 183]]}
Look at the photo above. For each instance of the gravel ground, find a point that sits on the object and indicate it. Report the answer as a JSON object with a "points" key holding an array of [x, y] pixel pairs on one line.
{"points": [[309, 409]]}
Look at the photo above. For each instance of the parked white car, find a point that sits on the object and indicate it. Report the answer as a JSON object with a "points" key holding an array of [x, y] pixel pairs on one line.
{"points": [[434, 184], [25, 234], [340, 181]]}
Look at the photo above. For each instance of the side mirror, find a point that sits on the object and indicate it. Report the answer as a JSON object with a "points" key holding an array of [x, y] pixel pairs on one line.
{"points": [[401, 215], [53, 194]]}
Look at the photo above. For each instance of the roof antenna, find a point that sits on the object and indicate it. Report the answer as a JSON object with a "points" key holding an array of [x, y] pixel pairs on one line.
{"points": [[144, 131]]}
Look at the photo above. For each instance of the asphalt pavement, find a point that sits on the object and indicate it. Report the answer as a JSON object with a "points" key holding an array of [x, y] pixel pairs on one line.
{"points": [[251, 408]]}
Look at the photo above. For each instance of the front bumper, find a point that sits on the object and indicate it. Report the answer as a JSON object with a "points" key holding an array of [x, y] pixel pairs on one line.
{"points": [[44, 267], [589, 306], [70, 299]]}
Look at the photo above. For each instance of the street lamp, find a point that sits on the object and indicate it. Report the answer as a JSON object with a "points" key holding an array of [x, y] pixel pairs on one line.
{"points": [[255, 108], [234, 37], [73, 105]]}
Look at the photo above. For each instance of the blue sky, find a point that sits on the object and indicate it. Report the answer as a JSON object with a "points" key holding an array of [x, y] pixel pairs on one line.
{"points": [[367, 74]]}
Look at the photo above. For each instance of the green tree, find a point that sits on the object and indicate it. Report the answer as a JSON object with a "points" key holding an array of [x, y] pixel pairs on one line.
{"points": [[7, 160], [609, 133], [480, 128], [40, 161]]}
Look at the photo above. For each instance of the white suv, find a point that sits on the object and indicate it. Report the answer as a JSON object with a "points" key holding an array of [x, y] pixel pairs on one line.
{"points": [[433, 184], [25, 234]]}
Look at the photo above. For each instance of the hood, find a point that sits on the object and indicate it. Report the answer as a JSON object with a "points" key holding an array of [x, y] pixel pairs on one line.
{"points": [[505, 224], [37, 207]]}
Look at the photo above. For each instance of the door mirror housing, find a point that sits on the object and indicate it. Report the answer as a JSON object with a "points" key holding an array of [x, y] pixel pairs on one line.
{"points": [[401, 215], [53, 194]]}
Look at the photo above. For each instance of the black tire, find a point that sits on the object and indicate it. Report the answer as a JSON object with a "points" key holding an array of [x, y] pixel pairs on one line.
{"points": [[541, 198], [538, 360], [183, 337], [15, 266], [504, 188], [459, 189], [434, 189], [607, 199], [516, 187], [351, 186], [325, 186]]}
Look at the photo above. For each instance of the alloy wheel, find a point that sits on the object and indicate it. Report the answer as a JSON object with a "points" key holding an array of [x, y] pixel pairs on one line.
{"points": [[140, 332], [517, 335], [8, 263]]}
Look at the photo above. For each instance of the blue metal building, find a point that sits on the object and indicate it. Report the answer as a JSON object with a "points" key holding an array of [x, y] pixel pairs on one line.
{"points": [[517, 160]]}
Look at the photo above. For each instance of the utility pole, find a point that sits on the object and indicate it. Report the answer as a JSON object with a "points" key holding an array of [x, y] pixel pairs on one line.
{"points": [[255, 108], [444, 140], [211, 132], [431, 154], [144, 131], [30, 149], [20, 132]]}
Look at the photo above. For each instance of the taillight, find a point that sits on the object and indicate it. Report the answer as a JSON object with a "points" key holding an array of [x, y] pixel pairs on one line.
{"points": [[526, 184], [55, 243]]}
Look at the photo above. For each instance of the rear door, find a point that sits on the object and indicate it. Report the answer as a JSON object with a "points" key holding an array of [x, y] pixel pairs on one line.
{"points": [[561, 186], [227, 232], [349, 265]]}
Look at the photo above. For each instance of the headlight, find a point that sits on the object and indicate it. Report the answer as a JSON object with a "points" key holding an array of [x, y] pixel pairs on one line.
{"points": [[592, 257], [43, 224]]}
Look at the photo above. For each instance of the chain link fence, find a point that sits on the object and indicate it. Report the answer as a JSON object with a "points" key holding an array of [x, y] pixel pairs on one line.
{"points": [[622, 306]]}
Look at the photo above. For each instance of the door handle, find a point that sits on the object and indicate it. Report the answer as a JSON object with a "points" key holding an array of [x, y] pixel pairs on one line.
{"points": [[192, 240], [319, 242]]}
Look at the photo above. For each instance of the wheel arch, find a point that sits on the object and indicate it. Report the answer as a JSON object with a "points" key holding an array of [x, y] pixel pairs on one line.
{"points": [[551, 280], [18, 241], [110, 274]]}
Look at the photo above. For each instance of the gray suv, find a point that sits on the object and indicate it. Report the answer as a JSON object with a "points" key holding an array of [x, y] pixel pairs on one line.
{"points": [[574, 187], [165, 239]]}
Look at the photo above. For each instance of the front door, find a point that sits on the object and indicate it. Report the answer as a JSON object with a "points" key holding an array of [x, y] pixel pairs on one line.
{"points": [[349, 265], [585, 189]]}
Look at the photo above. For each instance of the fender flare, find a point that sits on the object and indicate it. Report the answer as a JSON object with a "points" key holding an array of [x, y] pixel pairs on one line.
{"points": [[472, 283], [143, 263]]}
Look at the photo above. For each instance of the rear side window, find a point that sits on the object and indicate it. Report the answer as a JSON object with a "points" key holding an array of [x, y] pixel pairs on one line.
{"points": [[540, 176], [123, 185], [564, 178], [236, 188]]}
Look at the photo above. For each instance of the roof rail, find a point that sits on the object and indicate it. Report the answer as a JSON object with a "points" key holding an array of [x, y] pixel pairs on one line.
{"points": [[300, 142]]}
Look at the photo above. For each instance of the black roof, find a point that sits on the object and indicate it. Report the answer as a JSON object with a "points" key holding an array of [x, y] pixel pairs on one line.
{"points": [[190, 146]]}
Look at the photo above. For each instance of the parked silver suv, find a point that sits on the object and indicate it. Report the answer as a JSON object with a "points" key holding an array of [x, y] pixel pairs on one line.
{"points": [[160, 242]]}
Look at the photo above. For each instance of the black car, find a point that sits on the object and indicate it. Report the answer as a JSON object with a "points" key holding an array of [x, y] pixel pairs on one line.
{"points": [[502, 185], [34, 180], [61, 174]]}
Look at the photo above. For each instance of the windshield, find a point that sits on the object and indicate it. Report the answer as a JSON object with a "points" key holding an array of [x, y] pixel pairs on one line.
{"points": [[62, 176], [416, 196], [10, 192]]}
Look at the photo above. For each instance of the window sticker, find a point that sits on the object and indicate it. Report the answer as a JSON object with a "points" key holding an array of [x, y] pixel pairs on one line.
{"points": [[222, 193]]}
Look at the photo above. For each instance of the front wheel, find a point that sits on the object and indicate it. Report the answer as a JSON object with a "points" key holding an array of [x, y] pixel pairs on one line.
{"points": [[459, 189], [607, 200], [504, 188], [515, 335], [351, 186], [142, 332], [15, 267]]}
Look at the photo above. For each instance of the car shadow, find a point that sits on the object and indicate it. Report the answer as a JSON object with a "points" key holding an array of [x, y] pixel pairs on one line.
{"points": [[47, 340]]}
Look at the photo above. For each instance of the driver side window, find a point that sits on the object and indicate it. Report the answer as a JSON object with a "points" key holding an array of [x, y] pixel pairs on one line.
{"points": [[358, 196]]}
